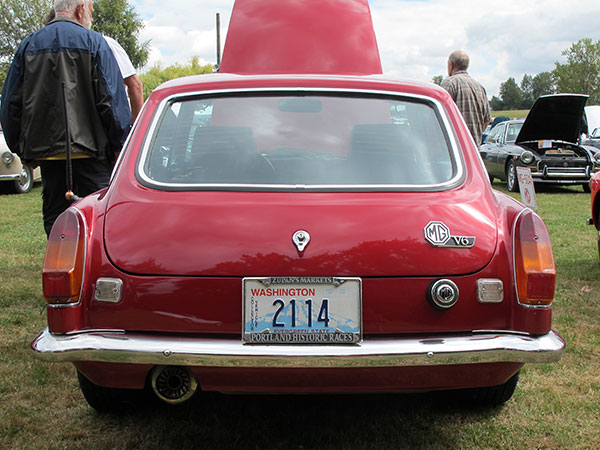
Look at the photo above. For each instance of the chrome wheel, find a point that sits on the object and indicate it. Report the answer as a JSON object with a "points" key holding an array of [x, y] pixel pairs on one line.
{"points": [[511, 177], [25, 183]]}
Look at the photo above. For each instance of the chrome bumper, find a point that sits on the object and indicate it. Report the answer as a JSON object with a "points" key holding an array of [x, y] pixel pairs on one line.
{"points": [[121, 347], [11, 177]]}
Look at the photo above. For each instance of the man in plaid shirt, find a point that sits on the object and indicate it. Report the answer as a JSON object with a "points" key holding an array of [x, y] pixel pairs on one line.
{"points": [[468, 94]]}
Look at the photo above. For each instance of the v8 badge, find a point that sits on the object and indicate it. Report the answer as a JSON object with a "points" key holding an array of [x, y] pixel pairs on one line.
{"points": [[438, 234]]}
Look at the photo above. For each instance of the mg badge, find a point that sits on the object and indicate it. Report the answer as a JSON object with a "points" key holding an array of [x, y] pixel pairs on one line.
{"points": [[438, 235], [301, 239]]}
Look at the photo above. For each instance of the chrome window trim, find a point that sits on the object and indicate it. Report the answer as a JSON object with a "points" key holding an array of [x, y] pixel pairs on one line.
{"points": [[83, 274], [125, 145], [449, 131], [514, 238]]}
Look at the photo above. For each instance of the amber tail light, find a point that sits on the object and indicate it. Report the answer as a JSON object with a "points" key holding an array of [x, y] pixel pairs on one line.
{"points": [[62, 273], [535, 272]]}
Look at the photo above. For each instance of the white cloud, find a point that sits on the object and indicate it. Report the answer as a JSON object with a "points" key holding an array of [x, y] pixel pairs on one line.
{"points": [[506, 39]]}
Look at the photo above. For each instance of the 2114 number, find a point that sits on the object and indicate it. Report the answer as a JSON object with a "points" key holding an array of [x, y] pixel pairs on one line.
{"points": [[323, 316]]}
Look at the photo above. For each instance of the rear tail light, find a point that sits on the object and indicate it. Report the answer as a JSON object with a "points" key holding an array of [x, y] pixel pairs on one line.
{"points": [[535, 272], [62, 273]]}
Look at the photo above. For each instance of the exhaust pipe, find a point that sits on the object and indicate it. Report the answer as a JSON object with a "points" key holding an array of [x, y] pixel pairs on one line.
{"points": [[173, 384]]}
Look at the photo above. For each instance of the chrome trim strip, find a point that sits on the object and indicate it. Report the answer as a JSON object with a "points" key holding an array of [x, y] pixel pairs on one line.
{"points": [[11, 177], [460, 172], [561, 175], [125, 144], [138, 348]]}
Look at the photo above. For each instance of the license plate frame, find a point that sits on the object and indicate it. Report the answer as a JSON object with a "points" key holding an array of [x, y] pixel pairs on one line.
{"points": [[275, 310]]}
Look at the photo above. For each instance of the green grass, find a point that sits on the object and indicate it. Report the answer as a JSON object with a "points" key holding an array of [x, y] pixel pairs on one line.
{"points": [[512, 113], [555, 405]]}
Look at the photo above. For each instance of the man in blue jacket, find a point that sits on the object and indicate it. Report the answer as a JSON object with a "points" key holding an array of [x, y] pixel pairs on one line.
{"points": [[66, 58]]}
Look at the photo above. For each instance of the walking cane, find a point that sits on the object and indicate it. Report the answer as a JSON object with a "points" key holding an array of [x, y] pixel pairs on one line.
{"points": [[69, 195]]}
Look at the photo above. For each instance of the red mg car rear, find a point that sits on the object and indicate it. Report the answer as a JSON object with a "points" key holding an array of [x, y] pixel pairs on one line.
{"points": [[307, 232]]}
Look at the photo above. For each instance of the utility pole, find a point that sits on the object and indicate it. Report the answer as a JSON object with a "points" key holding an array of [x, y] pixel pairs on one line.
{"points": [[218, 40]]}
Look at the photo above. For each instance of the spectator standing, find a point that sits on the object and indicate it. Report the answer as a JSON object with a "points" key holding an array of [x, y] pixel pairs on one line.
{"points": [[468, 94], [135, 88], [66, 58]]}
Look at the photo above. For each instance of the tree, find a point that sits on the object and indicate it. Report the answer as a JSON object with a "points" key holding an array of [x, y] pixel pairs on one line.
{"points": [[157, 75], [542, 84], [527, 89], [581, 74], [117, 19], [496, 104], [511, 94], [114, 18], [437, 79], [18, 19]]}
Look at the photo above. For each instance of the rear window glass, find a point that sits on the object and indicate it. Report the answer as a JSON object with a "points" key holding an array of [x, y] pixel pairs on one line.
{"points": [[297, 141]]}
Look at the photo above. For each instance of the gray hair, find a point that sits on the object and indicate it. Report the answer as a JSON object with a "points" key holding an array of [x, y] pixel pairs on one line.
{"points": [[459, 59], [68, 6]]}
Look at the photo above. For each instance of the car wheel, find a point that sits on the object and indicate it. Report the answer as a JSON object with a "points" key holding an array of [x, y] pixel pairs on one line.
{"points": [[104, 399], [511, 177], [598, 218], [25, 183], [486, 396], [586, 188]]}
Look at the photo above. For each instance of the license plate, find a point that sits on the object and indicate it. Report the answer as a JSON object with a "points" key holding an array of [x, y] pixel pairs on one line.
{"points": [[302, 310]]}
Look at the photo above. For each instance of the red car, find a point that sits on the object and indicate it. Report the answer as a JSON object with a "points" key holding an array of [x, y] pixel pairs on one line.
{"points": [[298, 223], [595, 189]]}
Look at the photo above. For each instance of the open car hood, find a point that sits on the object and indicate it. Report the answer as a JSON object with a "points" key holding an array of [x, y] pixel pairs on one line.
{"points": [[554, 117], [308, 36], [250, 234]]}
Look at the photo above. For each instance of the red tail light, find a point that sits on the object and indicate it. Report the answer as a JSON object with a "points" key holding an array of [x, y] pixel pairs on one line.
{"points": [[62, 273], [535, 272]]}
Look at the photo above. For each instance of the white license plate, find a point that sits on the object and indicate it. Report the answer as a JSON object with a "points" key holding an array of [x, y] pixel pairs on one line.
{"points": [[302, 310]]}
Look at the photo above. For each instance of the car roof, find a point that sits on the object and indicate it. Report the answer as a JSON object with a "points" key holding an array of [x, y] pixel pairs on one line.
{"points": [[308, 36]]}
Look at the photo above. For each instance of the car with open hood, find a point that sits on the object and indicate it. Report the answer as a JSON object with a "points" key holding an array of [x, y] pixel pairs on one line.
{"points": [[298, 222], [593, 140], [547, 143]]}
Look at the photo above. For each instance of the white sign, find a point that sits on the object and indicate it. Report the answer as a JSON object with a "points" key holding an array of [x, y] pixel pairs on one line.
{"points": [[526, 187]]}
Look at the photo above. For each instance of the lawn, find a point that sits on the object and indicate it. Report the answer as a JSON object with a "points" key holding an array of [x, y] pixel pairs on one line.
{"points": [[555, 405], [512, 113]]}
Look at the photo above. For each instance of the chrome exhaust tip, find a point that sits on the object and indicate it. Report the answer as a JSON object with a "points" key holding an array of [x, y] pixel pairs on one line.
{"points": [[173, 384]]}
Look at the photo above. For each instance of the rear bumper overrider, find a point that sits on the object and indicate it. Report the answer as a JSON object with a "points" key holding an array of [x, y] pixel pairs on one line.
{"points": [[137, 348]]}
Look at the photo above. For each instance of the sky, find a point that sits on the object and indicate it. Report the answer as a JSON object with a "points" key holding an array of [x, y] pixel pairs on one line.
{"points": [[503, 39]]}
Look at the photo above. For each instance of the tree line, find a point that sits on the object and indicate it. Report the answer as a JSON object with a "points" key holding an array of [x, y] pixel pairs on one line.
{"points": [[114, 18], [579, 75], [119, 20]]}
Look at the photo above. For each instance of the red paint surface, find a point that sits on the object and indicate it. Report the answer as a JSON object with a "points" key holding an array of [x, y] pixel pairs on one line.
{"points": [[309, 36], [182, 255]]}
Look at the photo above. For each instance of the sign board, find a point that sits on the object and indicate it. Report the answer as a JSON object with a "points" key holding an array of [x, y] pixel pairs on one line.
{"points": [[526, 187]]}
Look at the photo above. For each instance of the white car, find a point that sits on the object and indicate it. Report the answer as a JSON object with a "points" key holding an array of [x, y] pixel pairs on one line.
{"points": [[20, 177]]}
